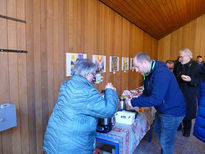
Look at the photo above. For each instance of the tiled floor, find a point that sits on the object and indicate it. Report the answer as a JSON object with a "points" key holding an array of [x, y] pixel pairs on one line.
{"points": [[183, 145]]}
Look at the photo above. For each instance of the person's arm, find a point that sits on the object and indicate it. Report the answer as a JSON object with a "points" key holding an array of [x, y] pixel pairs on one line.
{"points": [[160, 85], [101, 107]]}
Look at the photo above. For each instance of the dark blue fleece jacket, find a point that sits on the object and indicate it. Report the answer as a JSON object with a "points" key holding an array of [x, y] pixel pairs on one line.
{"points": [[161, 91]]}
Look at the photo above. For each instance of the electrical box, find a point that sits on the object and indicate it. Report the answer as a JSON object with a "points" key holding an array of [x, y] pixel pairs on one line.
{"points": [[8, 117]]}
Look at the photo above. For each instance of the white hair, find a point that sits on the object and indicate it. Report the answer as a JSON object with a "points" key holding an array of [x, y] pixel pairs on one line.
{"points": [[187, 52], [83, 66]]}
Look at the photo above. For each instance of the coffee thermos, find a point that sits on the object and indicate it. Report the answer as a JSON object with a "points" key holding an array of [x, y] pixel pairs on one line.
{"points": [[121, 104]]}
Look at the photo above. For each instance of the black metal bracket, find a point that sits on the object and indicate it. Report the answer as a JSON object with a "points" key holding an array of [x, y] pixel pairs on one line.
{"points": [[17, 51], [11, 18]]}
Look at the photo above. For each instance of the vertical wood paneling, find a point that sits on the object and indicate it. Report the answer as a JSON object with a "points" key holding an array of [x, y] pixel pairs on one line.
{"points": [[13, 76], [50, 51], [5, 138], [117, 49], [189, 36], [3, 7], [30, 76], [22, 90], [109, 42], [200, 37], [20, 9], [136, 46], [165, 47], [11, 8], [125, 52], [37, 75], [56, 50], [54, 27], [100, 42], [61, 46], [43, 60]]}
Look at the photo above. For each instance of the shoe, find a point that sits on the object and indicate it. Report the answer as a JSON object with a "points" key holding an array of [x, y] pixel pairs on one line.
{"points": [[185, 134]]}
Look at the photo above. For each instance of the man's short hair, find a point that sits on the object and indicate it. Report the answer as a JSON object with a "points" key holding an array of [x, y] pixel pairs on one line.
{"points": [[142, 56], [199, 57], [170, 62], [187, 52]]}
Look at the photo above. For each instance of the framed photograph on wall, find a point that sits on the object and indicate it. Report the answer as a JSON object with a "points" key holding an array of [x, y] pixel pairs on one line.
{"points": [[71, 59], [132, 68], [100, 60], [125, 63], [114, 64]]}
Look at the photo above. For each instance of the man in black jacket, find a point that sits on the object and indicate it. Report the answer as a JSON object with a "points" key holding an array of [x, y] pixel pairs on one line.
{"points": [[188, 79]]}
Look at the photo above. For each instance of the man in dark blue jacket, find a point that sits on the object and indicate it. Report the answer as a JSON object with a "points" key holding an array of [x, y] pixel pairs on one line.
{"points": [[162, 92]]}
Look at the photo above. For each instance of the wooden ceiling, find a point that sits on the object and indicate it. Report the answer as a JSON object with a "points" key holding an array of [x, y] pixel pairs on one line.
{"points": [[158, 17]]}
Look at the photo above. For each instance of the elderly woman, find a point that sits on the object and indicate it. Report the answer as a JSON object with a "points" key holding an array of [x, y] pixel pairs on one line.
{"points": [[72, 126]]}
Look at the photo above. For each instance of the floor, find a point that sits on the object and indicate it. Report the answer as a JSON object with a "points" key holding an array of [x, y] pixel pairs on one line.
{"points": [[183, 145]]}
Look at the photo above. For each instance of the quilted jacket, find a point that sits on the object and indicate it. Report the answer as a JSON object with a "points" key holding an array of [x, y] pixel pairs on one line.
{"points": [[72, 125], [199, 127]]}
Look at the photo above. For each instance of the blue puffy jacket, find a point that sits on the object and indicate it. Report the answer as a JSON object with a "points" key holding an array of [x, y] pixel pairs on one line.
{"points": [[72, 126], [161, 91], [199, 127]]}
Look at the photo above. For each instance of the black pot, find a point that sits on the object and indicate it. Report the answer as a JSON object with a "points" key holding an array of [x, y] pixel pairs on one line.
{"points": [[105, 121]]}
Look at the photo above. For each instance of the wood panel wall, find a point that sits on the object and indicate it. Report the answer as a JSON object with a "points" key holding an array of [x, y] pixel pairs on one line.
{"points": [[52, 28], [191, 36]]}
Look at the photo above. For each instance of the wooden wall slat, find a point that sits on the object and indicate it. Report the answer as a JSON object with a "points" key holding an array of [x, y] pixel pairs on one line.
{"points": [[5, 138], [11, 8], [30, 77], [21, 39], [200, 38], [125, 52], [61, 45], [21, 9], [56, 50], [50, 51], [3, 7], [4, 33], [37, 75], [44, 71], [23, 105], [22, 89], [117, 50], [14, 87]]}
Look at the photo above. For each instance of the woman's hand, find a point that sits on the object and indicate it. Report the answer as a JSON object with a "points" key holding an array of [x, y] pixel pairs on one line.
{"points": [[109, 85]]}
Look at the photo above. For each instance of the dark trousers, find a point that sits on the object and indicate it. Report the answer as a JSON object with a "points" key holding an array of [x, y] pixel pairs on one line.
{"points": [[187, 126]]}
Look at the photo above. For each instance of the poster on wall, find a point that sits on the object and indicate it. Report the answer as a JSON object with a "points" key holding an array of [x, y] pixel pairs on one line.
{"points": [[71, 59], [114, 64], [125, 63], [131, 64], [100, 60]]}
